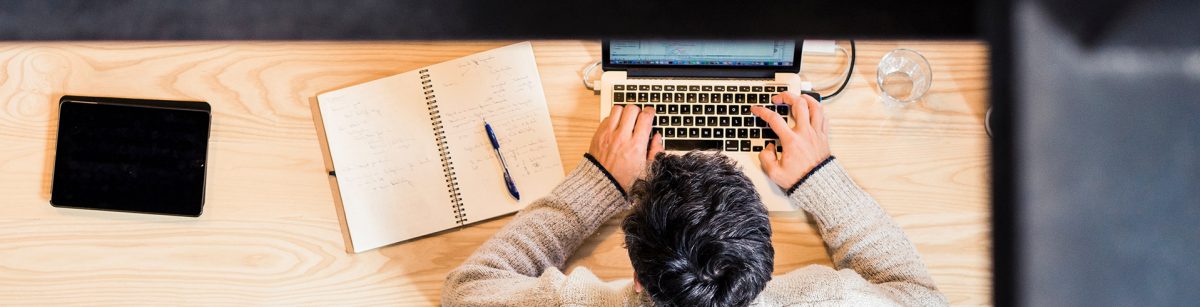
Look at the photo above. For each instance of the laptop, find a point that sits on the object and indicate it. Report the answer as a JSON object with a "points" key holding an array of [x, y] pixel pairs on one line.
{"points": [[702, 92]]}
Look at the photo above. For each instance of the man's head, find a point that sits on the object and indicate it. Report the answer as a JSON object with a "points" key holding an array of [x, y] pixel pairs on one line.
{"points": [[698, 233]]}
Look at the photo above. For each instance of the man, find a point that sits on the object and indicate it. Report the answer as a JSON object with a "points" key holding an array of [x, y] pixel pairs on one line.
{"points": [[698, 234]]}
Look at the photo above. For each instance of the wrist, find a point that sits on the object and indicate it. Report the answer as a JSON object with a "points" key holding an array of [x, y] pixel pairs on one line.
{"points": [[611, 179], [808, 174]]}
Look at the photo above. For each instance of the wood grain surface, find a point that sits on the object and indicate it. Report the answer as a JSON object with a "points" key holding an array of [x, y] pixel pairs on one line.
{"points": [[270, 233]]}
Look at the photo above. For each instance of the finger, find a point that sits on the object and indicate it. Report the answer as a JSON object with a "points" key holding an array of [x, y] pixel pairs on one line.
{"points": [[800, 111], [643, 126], [769, 160], [776, 122], [610, 122], [656, 146], [817, 119], [825, 127], [628, 118]]}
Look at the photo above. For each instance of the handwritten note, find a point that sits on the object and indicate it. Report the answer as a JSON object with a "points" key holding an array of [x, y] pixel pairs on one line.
{"points": [[389, 171], [500, 86]]}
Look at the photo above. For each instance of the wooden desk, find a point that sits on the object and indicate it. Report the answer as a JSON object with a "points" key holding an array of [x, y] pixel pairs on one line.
{"points": [[270, 234]]}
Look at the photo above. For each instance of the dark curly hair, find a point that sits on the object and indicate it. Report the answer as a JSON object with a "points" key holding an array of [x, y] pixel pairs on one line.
{"points": [[698, 234]]}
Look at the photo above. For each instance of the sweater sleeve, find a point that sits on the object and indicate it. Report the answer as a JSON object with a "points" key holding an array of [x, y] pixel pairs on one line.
{"points": [[861, 237], [521, 263]]}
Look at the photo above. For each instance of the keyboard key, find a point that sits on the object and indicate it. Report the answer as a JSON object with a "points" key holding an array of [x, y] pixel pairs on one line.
{"points": [[769, 134], [618, 97], [643, 97], [731, 145], [755, 133], [694, 88], [737, 121], [752, 98], [730, 132], [619, 87], [669, 132], [660, 109], [712, 120], [727, 98], [700, 121], [770, 89], [692, 144], [734, 110], [656, 87], [678, 97], [781, 89], [743, 133], [744, 88], [718, 133], [681, 132], [740, 98], [721, 110], [706, 88], [706, 133], [783, 110], [716, 98], [703, 98], [723, 121], [689, 121], [655, 97], [691, 97], [664, 120], [710, 109], [655, 130], [756, 89], [745, 145], [666, 97], [694, 132], [719, 88], [685, 109], [630, 96], [669, 88], [673, 109], [746, 110], [681, 88], [643, 87], [764, 98], [758, 122], [731, 88], [676, 121], [756, 148], [748, 121]]}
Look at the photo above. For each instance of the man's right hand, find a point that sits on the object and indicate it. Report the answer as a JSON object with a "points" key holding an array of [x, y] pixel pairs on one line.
{"points": [[804, 146], [622, 143]]}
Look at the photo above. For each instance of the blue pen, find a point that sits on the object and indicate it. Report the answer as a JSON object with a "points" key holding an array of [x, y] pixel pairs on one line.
{"points": [[512, 187]]}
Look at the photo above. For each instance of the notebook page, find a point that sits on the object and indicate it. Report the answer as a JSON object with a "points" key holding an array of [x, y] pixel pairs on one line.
{"points": [[388, 167], [502, 86]]}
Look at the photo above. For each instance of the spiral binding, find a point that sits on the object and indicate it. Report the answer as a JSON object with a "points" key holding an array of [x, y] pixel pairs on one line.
{"points": [[439, 134]]}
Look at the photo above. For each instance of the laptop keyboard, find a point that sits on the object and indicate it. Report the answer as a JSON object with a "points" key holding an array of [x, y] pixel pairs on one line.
{"points": [[706, 117]]}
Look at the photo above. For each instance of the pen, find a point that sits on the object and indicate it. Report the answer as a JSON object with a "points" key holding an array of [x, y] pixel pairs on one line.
{"points": [[512, 187]]}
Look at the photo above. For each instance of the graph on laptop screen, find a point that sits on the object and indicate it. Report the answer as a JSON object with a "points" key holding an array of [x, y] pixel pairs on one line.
{"points": [[692, 52]]}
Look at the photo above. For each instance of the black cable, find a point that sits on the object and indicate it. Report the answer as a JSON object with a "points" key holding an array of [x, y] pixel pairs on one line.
{"points": [[849, 73]]}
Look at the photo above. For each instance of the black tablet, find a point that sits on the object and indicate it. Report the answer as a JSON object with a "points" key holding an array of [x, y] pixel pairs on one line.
{"points": [[131, 155]]}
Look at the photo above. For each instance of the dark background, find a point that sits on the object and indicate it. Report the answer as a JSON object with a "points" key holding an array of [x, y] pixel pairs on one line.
{"points": [[1096, 153]]}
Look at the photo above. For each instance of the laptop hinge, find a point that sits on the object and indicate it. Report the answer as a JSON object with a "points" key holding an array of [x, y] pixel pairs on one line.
{"points": [[699, 73]]}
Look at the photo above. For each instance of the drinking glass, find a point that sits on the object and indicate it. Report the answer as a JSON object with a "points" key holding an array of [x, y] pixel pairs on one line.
{"points": [[903, 76]]}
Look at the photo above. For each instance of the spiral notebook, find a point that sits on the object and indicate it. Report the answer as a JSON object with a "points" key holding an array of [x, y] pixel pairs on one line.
{"points": [[411, 156]]}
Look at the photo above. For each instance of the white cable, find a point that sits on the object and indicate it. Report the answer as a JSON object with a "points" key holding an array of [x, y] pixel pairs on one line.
{"points": [[587, 73], [841, 77]]}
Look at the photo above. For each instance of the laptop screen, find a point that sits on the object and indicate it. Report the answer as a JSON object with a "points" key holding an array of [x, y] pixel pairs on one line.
{"points": [[743, 53]]}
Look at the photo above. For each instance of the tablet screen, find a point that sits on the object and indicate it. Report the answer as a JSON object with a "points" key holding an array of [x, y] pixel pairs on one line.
{"points": [[127, 157]]}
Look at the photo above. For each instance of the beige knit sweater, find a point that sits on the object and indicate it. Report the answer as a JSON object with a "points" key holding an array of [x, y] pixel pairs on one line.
{"points": [[521, 264]]}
